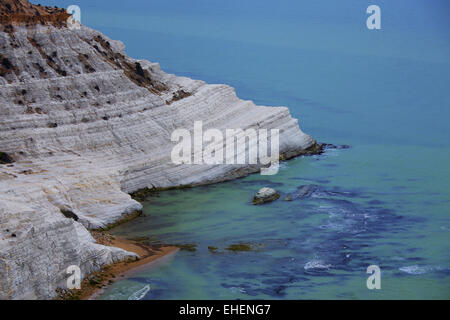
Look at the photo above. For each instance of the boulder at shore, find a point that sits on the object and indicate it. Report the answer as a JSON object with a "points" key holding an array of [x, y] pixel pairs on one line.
{"points": [[265, 195]]}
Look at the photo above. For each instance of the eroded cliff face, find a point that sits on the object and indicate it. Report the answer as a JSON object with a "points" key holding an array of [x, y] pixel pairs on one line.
{"points": [[86, 125]]}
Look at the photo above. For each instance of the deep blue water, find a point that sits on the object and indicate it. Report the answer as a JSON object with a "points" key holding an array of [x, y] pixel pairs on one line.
{"points": [[384, 201]]}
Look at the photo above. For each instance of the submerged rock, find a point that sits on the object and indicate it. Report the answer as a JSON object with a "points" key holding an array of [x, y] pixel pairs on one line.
{"points": [[191, 247], [328, 146], [320, 148], [213, 249], [304, 191], [265, 195], [239, 247]]}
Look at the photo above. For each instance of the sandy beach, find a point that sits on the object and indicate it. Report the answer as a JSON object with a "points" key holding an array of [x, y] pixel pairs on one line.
{"points": [[94, 284]]}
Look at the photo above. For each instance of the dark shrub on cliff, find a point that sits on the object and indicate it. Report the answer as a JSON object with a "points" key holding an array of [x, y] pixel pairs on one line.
{"points": [[5, 158], [6, 63], [139, 70]]}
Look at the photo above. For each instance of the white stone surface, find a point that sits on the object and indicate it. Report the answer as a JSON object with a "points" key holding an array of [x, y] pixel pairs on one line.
{"points": [[265, 195], [87, 164], [265, 192]]}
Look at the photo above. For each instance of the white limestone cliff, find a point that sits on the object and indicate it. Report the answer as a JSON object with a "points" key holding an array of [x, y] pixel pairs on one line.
{"points": [[86, 126]]}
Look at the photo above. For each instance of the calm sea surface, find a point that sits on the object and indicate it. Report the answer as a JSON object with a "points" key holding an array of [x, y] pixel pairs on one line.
{"points": [[385, 201]]}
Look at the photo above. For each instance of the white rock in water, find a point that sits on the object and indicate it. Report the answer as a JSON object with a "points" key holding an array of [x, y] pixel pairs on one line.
{"points": [[265, 195], [87, 125]]}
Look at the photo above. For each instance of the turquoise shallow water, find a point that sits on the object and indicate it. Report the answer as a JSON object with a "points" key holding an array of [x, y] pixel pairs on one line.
{"points": [[318, 247], [384, 201]]}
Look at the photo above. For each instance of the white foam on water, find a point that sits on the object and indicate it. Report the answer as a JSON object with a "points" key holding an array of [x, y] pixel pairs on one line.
{"points": [[140, 294], [237, 290], [316, 264], [413, 270], [419, 269], [283, 165]]}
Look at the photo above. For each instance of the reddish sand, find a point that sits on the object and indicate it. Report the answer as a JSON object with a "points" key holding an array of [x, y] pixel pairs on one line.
{"points": [[95, 283], [23, 12]]}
